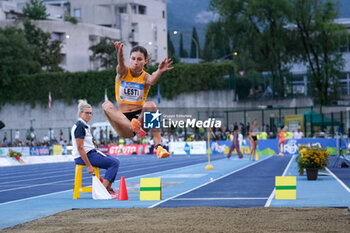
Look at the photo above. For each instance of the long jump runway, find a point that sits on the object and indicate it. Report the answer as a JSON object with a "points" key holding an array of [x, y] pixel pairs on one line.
{"points": [[249, 187]]}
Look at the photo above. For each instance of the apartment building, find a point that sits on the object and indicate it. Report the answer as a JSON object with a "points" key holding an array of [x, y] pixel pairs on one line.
{"points": [[140, 22], [134, 22]]}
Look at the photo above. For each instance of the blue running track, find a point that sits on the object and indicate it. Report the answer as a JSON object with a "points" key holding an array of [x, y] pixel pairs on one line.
{"points": [[35, 191]]}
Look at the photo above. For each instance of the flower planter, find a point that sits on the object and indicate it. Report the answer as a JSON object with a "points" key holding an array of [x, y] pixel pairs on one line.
{"points": [[312, 173]]}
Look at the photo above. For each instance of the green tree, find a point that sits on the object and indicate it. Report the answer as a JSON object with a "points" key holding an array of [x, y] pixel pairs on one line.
{"points": [[105, 52], [171, 50], [15, 57], [35, 9], [45, 51], [257, 29], [321, 39], [194, 44], [217, 42], [183, 52]]}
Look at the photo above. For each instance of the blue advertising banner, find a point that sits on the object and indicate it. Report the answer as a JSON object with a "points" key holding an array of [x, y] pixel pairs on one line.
{"points": [[270, 146], [41, 150]]}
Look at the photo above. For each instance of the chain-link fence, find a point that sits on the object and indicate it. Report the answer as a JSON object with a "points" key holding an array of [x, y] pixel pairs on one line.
{"points": [[35, 136], [317, 122]]}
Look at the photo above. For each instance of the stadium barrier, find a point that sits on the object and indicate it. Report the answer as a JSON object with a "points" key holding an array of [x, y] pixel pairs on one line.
{"points": [[265, 147], [138, 149], [40, 150]]}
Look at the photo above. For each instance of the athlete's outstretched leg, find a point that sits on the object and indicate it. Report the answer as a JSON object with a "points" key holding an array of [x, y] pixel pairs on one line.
{"points": [[150, 106], [118, 120]]}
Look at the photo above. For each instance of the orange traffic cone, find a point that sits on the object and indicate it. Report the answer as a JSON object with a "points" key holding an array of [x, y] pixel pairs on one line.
{"points": [[123, 193]]}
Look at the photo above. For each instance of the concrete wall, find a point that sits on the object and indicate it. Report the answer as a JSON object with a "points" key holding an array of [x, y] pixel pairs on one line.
{"points": [[62, 115]]}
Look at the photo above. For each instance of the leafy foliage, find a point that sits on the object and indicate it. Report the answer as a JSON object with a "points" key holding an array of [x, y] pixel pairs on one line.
{"points": [[269, 36], [321, 39], [45, 52], [217, 42], [194, 44], [13, 153], [256, 30], [105, 52], [15, 57], [312, 157], [35, 9], [66, 86], [73, 20], [183, 51], [171, 50]]}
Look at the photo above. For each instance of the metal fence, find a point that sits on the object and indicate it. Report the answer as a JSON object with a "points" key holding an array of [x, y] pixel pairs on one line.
{"points": [[271, 118], [34, 136], [323, 123]]}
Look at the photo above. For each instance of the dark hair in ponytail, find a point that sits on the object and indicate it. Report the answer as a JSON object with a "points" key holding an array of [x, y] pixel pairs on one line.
{"points": [[143, 51]]}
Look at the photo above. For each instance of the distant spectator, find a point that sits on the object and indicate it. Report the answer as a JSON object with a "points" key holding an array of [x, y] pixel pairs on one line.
{"points": [[262, 135], [28, 137], [4, 139], [17, 137], [110, 136], [282, 140], [32, 137], [102, 136], [61, 136], [251, 92], [51, 134], [268, 91], [298, 134], [288, 134], [253, 132], [235, 143]]}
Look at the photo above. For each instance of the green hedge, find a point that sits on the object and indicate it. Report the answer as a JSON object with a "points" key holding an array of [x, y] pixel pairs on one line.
{"points": [[69, 87]]}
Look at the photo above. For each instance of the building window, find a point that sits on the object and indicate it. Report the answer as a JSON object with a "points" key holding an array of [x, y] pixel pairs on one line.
{"points": [[163, 14], [122, 9], [142, 10], [77, 13], [135, 27], [58, 36], [155, 55], [155, 33], [133, 9], [63, 59]]}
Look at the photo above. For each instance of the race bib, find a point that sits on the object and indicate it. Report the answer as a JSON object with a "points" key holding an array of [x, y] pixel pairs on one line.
{"points": [[132, 92]]}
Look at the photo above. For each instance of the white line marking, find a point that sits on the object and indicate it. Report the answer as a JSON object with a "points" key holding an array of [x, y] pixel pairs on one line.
{"points": [[242, 168], [132, 177], [9, 202], [341, 182], [40, 178], [272, 195], [214, 199], [36, 185], [33, 172]]}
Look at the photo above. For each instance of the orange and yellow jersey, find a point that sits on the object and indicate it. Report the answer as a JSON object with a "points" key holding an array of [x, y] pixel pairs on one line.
{"points": [[130, 90]]}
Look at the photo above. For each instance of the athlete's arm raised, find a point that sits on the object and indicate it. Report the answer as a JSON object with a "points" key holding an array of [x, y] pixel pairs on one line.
{"points": [[122, 69], [162, 67]]}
